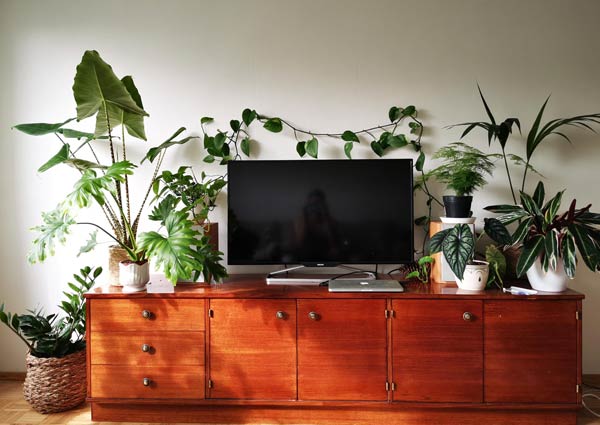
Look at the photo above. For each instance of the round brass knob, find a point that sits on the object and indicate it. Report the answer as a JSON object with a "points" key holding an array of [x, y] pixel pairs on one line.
{"points": [[280, 315], [146, 382], [146, 348], [314, 316], [467, 317], [146, 314]]}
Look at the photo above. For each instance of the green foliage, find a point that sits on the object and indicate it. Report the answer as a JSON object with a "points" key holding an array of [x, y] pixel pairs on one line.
{"points": [[458, 246], [464, 168], [497, 266], [55, 228], [423, 272], [51, 335], [153, 153], [93, 187], [549, 236]]}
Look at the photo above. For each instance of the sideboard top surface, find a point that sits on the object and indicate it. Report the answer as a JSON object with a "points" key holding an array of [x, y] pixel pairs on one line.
{"points": [[254, 286]]}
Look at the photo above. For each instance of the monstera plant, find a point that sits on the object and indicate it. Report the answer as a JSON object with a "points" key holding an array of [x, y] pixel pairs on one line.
{"points": [[105, 175]]}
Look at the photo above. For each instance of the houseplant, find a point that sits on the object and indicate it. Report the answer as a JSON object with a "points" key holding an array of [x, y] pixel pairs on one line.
{"points": [[550, 239], [56, 362], [196, 197], [463, 171], [113, 102]]}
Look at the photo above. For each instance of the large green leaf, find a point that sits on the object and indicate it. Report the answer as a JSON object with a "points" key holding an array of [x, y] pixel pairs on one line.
{"points": [[39, 129], [458, 248], [530, 205], [61, 156], [312, 147], [586, 246], [497, 262], [531, 251], [522, 231], [532, 137], [90, 244], [173, 252], [551, 208], [55, 228], [96, 85], [497, 231], [551, 249], [91, 186], [436, 242], [569, 254], [503, 209], [155, 151], [539, 194], [274, 125]]}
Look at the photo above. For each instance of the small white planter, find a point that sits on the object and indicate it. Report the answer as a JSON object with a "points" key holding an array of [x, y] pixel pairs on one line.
{"points": [[134, 276], [475, 277], [550, 281]]}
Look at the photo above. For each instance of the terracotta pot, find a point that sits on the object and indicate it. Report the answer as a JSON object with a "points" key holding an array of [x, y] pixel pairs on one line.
{"points": [[134, 276], [116, 254]]}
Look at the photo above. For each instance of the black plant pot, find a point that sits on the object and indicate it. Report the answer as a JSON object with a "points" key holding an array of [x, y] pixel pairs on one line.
{"points": [[458, 206]]}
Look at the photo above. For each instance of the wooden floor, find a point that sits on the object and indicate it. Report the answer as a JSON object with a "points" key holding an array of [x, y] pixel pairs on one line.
{"points": [[15, 410]]}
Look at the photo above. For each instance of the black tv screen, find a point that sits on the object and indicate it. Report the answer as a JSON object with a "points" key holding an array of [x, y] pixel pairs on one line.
{"points": [[320, 212]]}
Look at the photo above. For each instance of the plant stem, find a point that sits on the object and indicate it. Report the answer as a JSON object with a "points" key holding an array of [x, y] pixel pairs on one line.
{"points": [[512, 190], [525, 175], [121, 244], [126, 177]]}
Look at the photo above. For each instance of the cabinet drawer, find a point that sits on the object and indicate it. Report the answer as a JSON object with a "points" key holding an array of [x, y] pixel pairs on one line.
{"points": [[162, 315], [182, 382], [147, 348]]}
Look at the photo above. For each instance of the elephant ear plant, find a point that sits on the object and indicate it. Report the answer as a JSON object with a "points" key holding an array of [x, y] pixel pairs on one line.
{"points": [[546, 234], [458, 246], [114, 103]]}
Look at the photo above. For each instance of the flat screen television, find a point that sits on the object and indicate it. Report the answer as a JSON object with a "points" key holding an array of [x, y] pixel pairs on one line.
{"points": [[320, 212]]}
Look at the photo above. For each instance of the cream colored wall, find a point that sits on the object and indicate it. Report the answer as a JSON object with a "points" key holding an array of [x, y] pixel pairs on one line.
{"points": [[322, 64]]}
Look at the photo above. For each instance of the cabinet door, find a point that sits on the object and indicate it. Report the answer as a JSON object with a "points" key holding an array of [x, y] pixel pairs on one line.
{"points": [[437, 351], [342, 349], [531, 351], [252, 349]]}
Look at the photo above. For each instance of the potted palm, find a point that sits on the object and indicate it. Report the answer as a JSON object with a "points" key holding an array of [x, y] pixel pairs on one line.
{"points": [[463, 171], [107, 183], [56, 361], [550, 239]]}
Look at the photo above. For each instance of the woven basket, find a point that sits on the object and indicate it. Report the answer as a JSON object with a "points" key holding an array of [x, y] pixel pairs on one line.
{"points": [[55, 384]]}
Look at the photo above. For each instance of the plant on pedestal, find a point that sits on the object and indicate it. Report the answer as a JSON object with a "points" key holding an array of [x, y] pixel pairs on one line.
{"points": [[113, 102]]}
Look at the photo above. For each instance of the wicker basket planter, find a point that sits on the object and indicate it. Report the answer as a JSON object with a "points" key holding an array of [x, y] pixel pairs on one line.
{"points": [[55, 384]]}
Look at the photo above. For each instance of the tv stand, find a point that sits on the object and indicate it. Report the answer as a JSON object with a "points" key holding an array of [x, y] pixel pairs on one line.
{"points": [[306, 280], [243, 352]]}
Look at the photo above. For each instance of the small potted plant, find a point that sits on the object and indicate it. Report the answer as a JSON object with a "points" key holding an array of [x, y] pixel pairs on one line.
{"points": [[463, 171], [458, 247], [550, 239], [56, 361]]}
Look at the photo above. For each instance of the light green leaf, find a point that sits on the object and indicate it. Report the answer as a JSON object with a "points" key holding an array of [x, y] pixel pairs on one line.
{"points": [[154, 152], [312, 147], [274, 125], [39, 129], [90, 244], [245, 145], [531, 251], [55, 228], [348, 149], [61, 156], [91, 186]]}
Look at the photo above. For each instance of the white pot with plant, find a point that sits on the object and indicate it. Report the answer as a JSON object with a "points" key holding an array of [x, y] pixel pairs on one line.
{"points": [[114, 102], [550, 240]]}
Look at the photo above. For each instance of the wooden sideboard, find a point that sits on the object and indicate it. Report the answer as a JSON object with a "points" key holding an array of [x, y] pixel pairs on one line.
{"points": [[245, 352]]}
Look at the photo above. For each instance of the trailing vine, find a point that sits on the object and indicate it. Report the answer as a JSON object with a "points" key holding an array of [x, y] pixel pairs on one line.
{"points": [[225, 146]]}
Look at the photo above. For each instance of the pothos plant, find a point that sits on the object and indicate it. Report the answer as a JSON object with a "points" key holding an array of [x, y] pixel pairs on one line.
{"points": [[114, 103], [227, 145]]}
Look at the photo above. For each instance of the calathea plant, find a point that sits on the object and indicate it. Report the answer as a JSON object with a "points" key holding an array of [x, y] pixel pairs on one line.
{"points": [[49, 335], [546, 234], [114, 103]]}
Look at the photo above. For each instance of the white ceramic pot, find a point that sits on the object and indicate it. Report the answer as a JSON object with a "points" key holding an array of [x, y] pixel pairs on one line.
{"points": [[475, 277], [550, 281], [134, 276]]}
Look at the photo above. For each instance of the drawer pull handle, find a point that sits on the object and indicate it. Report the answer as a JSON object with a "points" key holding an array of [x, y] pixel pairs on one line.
{"points": [[467, 317], [147, 314], [146, 348], [146, 382], [314, 316], [280, 315]]}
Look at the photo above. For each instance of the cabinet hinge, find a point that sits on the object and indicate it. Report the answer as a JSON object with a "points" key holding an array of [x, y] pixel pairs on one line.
{"points": [[210, 383], [390, 386], [389, 314], [393, 386], [577, 389], [387, 386], [211, 313], [578, 315]]}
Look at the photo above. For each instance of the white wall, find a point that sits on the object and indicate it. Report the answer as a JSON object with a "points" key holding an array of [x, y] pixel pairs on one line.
{"points": [[326, 65]]}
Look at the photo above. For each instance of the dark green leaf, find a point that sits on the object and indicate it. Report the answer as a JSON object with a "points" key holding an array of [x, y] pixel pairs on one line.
{"points": [[503, 209], [394, 113], [539, 195], [39, 129], [273, 125], [530, 205], [569, 254], [377, 148], [409, 110], [585, 245], [312, 147], [532, 137], [551, 248], [245, 145], [206, 120], [436, 242], [420, 162], [589, 218], [349, 136], [348, 149], [531, 251], [420, 221], [497, 231], [458, 248], [301, 148], [512, 217], [248, 115], [487, 108], [398, 140], [61, 156], [551, 207], [235, 125], [209, 159], [522, 231], [219, 141]]}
